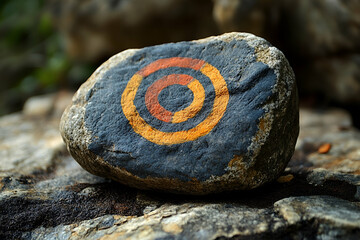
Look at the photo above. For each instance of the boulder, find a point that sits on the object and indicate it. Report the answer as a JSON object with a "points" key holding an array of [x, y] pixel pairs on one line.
{"points": [[196, 117]]}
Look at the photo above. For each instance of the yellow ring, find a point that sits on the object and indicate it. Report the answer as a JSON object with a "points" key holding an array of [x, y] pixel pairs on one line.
{"points": [[196, 105], [167, 138]]}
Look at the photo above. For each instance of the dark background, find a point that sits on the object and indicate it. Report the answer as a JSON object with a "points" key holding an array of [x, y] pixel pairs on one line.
{"points": [[55, 45]]}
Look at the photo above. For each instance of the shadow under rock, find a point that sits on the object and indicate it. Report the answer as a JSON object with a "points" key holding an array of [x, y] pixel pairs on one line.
{"points": [[267, 195], [83, 201]]}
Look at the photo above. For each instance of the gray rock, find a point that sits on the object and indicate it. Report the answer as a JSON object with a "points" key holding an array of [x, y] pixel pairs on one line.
{"points": [[337, 166], [38, 126], [29, 202], [66, 202], [233, 127], [318, 217], [16, 132], [323, 217], [48, 105]]}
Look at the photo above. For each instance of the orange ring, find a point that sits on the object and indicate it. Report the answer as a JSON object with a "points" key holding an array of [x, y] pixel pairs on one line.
{"points": [[154, 135], [196, 105], [159, 112]]}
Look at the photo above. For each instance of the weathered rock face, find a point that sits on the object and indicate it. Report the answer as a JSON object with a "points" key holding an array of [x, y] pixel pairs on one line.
{"points": [[213, 221], [341, 161], [317, 198], [197, 117], [35, 126]]}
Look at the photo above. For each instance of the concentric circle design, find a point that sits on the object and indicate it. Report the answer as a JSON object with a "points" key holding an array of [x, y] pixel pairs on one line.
{"points": [[154, 135], [155, 109]]}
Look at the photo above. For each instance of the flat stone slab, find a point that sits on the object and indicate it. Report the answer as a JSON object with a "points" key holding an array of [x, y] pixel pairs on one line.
{"points": [[64, 201], [322, 217], [196, 117], [30, 142]]}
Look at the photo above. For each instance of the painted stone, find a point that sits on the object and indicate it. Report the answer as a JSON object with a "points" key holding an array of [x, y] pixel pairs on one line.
{"points": [[195, 117]]}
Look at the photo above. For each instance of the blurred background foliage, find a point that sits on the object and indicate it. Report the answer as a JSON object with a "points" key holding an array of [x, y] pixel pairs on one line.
{"points": [[48, 46], [32, 57]]}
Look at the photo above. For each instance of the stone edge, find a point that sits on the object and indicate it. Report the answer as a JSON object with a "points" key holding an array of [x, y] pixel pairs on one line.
{"points": [[75, 131]]}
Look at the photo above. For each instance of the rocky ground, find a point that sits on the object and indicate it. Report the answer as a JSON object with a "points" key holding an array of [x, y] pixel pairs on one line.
{"points": [[45, 194]]}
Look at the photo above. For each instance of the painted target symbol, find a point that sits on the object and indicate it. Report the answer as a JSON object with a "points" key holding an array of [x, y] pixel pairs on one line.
{"points": [[154, 135]]}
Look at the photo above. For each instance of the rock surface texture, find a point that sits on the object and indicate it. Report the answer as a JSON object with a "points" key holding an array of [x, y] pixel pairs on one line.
{"points": [[47, 195], [197, 117]]}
